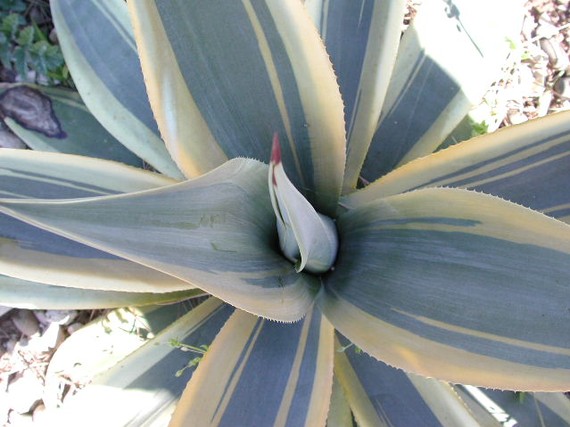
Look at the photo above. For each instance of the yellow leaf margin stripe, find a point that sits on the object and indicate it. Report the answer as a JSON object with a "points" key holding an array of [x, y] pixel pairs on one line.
{"points": [[456, 285], [224, 216], [487, 163], [262, 373], [134, 129], [181, 123]]}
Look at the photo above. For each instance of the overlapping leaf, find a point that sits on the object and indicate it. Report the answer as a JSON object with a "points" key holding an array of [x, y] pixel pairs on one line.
{"points": [[55, 119], [456, 285], [383, 396], [259, 372], [528, 164], [222, 80], [216, 232], [109, 79], [438, 76]]}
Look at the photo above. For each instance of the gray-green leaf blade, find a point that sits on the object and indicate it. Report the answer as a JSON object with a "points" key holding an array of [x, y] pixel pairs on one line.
{"points": [[456, 285]]}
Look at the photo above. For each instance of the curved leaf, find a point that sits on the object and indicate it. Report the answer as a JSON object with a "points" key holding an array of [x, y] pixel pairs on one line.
{"points": [[216, 232], [340, 414], [439, 75], [55, 119], [33, 174], [143, 388], [31, 254], [258, 373], [110, 80], [456, 285], [236, 75], [353, 31], [31, 295], [528, 164], [383, 396]]}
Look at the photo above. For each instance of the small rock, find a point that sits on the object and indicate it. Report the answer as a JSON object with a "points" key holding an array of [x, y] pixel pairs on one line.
{"points": [[25, 392], [556, 54], [562, 87], [26, 322]]}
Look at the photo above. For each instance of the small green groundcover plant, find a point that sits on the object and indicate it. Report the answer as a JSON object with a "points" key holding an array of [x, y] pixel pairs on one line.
{"points": [[25, 47], [278, 160]]}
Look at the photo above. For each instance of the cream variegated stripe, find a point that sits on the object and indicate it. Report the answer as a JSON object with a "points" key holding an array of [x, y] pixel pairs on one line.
{"points": [[294, 383], [32, 295], [357, 397], [320, 99], [224, 215], [325, 358], [184, 129], [444, 402], [58, 262], [457, 210], [275, 83], [524, 163], [364, 73], [31, 254], [400, 348], [281, 419], [224, 366], [36, 174], [277, 79], [121, 106], [414, 268], [382, 395]]}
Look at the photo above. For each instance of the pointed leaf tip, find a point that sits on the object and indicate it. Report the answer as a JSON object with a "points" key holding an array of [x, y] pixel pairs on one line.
{"points": [[276, 150], [307, 238]]}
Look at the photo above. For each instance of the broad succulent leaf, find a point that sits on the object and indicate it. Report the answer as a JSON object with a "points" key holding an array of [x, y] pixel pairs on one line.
{"points": [[237, 74], [56, 120], [225, 215], [99, 48], [444, 283], [32, 295], [263, 373], [144, 388], [438, 76], [352, 31], [528, 164], [383, 396], [33, 174], [31, 254]]}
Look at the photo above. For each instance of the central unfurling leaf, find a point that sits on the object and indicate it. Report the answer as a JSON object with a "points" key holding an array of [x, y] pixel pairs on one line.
{"points": [[307, 238]]}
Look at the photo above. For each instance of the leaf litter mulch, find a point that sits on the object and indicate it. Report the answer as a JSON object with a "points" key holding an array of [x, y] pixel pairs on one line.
{"points": [[535, 82]]}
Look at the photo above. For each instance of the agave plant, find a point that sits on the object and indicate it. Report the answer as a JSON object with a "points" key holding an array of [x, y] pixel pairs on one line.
{"points": [[300, 210]]}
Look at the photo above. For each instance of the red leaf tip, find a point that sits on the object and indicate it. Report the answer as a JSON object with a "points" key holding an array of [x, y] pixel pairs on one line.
{"points": [[276, 150]]}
